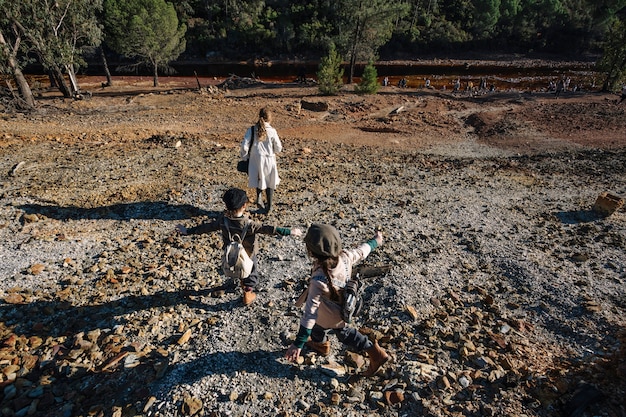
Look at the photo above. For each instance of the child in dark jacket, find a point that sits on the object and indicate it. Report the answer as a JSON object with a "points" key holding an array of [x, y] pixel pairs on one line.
{"points": [[232, 223], [332, 268]]}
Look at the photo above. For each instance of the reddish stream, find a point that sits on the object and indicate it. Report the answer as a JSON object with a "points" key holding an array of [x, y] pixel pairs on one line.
{"points": [[442, 76]]}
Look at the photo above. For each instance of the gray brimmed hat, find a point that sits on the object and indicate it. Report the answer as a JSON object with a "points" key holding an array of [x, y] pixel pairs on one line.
{"points": [[323, 241], [235, 198]]}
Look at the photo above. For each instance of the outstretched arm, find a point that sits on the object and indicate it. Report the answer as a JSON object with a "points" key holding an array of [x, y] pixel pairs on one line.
{"points": [[285, 231], [296, 232], [364, 249], [378, 238]]}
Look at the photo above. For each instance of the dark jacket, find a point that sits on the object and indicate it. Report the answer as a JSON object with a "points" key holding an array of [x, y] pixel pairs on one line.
{"points": [[235, 226]]}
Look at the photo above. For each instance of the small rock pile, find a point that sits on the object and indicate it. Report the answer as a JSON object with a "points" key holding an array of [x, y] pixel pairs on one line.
{"points": [[235, 82]]}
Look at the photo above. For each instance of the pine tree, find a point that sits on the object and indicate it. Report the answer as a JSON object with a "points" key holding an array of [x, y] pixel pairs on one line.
{"points": [[364, 26], [330, 73], [613, 61], [145, 30], [369, 80]]}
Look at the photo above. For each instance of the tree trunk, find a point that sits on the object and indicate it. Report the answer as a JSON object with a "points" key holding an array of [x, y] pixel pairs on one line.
{"points": [[414, 18], [24, 88], [106, 68], [53, 81], [352, 65], [156, 75], [73, 81], [57, 74], [22, 85], [355, 40]]}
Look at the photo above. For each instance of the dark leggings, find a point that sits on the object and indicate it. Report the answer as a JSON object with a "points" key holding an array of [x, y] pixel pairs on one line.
{"points": [[253, 279], [349, 336]]}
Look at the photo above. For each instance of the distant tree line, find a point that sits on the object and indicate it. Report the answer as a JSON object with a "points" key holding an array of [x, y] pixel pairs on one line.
{"points": [[63, 35], [236, 28]]}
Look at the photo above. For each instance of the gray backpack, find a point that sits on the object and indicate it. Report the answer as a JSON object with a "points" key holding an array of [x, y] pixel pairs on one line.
{"points": [[236, 262], [352, 301]]}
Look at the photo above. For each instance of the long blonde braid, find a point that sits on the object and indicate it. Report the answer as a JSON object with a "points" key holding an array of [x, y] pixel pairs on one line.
{"points": [[327, 264], [264, 116]]}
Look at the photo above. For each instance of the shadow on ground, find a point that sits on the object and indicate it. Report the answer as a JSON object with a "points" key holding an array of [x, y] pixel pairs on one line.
{"points": [[127, 211]]}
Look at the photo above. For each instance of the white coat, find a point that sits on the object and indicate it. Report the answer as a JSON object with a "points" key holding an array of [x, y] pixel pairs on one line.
{"points": [[262, 170]]}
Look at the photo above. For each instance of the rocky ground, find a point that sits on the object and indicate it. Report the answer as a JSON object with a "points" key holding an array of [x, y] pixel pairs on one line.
{"points": [[499, 289]]}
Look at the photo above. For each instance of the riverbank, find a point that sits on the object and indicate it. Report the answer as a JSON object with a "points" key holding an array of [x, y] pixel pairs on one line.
{"points": [[520, 72]]}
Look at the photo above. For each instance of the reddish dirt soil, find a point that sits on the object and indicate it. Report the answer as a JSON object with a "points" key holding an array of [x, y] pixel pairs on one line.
{"points": [[396, 118]]}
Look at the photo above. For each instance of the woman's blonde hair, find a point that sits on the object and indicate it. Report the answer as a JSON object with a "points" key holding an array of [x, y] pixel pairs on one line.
{"points": [[265, 115]]}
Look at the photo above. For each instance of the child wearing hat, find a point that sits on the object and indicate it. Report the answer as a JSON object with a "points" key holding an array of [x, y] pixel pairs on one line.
{"points": [[332, 267], [232, 223]]}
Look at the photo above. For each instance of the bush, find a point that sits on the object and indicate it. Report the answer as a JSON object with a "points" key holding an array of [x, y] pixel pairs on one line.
{"points": [[613, 61], [369, 80], [330, 73]]}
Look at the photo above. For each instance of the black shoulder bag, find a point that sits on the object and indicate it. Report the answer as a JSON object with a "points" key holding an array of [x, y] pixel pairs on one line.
{"points": [[242, 166]]}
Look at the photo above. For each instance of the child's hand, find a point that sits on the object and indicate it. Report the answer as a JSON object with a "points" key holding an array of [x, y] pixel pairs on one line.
{"points": [[379, 237], [296, 232], [292, 353], [181, 229]]}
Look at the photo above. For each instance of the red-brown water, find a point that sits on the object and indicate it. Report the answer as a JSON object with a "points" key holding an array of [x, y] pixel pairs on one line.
{"points": [[442, 77]]}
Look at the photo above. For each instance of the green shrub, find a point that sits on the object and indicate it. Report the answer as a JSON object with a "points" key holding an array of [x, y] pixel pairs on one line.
{"points": [[369, 80], [330, 73]]}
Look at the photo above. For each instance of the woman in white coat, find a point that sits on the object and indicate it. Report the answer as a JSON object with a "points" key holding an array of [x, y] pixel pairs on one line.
{"points": [[259, 146]]}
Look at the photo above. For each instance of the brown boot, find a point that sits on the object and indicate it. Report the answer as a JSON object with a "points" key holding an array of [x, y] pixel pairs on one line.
{"points": [[248, 296], [323, 348], [378, 357]]}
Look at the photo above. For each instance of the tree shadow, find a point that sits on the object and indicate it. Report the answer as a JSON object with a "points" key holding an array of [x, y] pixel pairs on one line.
{"points": [[79, 346], [569, 314], [42, 318], [123, 211]]}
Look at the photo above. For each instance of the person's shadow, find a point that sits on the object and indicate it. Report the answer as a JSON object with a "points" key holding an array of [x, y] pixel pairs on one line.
{"points": [[123, 211], [81, 345], [58, 317], [124, 369]]}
